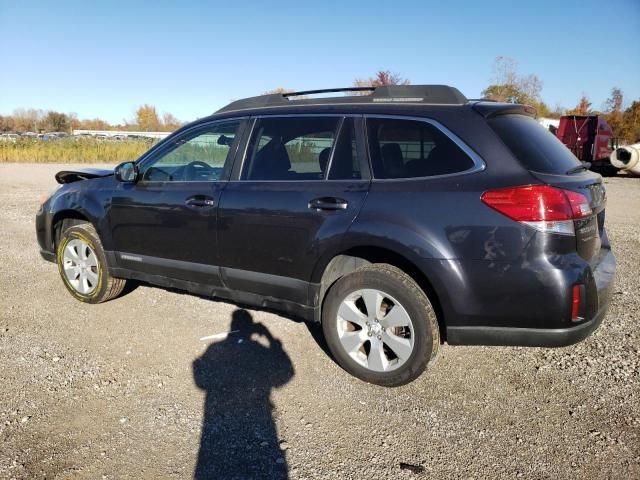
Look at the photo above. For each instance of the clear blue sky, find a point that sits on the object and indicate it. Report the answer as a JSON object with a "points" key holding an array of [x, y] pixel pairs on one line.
{"points": [[102, 59]]}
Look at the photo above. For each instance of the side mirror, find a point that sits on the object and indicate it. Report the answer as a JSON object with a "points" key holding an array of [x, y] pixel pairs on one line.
{"points": [[126, 172]]}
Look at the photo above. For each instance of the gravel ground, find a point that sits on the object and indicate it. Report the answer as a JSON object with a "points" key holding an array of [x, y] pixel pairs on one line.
{"points": [[128, 389]]}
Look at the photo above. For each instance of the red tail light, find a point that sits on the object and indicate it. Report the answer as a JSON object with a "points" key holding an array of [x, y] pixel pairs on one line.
{"points": [[575, 303], [545, 208]]}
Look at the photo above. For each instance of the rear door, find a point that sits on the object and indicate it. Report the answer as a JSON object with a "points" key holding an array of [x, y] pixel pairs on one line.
{"points": [[165, 224], [301, 183]]}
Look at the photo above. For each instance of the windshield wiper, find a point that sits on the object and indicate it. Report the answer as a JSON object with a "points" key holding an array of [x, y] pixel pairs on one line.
{"points": [[579, 168]]}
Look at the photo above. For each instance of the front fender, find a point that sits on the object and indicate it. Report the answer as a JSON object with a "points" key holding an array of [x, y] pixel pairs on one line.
{"points": [[81, 201]]}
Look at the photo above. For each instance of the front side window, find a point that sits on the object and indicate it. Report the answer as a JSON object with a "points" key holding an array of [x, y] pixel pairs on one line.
{"points": [[410, 148], [290, 148], [199, 157]]}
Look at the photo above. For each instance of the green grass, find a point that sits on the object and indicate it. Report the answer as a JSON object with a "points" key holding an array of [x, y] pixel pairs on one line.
{"points": [[72, 150]]}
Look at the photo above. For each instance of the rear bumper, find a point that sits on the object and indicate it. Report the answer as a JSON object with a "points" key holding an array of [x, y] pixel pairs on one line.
{"points": [[602, 275], [525, 337]]}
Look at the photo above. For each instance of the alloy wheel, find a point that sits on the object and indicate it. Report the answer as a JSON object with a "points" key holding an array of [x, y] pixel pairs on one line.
{"points": [[81, 266], [375, 330]]}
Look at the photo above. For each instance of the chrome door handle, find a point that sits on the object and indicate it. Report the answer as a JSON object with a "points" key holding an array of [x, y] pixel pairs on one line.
{"points": [[200, 201], [328, 203]]}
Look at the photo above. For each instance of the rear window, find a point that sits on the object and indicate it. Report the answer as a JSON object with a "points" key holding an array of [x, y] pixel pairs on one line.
{"points": [[537, 149]]}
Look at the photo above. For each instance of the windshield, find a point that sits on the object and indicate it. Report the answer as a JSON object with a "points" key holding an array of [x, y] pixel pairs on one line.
{"points": [[536, 148]]}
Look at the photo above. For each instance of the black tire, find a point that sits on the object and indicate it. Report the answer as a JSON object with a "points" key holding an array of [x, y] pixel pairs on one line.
{"points": [[106, 287], [397, 284]]}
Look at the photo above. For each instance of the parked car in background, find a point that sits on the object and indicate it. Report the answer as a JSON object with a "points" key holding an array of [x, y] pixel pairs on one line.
{"points": [[9, 137], [58, 134], [48, 136], [399, 220]]}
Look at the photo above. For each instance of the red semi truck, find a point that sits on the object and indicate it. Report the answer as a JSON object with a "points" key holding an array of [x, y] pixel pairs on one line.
{"points": [[590, 138]]}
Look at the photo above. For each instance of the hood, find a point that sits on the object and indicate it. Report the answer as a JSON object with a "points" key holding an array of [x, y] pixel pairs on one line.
{"points": [[69, 176]]}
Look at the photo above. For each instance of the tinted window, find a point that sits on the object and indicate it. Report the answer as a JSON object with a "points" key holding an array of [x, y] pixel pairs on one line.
{"points": [[290, 148], [344, 164], [411, 148], [196, 157], [536, 148]]}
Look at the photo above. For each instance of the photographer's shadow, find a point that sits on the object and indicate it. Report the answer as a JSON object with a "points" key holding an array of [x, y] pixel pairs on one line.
{"points": [[239, 438]]}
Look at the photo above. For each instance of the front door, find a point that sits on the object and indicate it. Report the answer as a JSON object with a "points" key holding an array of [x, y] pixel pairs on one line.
{"points": [[299, 189], [165, 224]]}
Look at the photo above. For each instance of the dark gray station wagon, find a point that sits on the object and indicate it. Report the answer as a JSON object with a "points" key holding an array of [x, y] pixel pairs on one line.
{"points": [[401, 218]]}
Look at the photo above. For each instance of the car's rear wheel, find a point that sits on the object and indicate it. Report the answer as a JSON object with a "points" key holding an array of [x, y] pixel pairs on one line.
{"points": [[83, 265], [380, 325]]}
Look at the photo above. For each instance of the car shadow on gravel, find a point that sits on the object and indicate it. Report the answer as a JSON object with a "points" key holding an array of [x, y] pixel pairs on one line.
{"points": [[129, 287], [628, 176], [315, 329], [239, 437]]}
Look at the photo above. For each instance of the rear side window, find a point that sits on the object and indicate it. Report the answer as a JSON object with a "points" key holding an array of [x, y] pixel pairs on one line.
{"points": [[290, 148], [411, 148], [534, 146]]}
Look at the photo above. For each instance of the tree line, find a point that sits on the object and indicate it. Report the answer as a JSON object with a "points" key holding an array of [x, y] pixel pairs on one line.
{"points": [[507, 85], [146, 119]]}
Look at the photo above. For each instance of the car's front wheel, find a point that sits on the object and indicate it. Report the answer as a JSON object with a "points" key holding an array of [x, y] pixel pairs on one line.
{"points": [[380, 325], [83, 265]]}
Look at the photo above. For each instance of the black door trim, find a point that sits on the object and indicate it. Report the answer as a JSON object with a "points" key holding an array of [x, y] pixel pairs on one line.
{"points": [[264, 284], [166, 263], [290, 288], [275, 286]]}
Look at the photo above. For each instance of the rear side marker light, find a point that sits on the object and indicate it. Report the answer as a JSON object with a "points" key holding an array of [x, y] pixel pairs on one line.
{"points": [[545, 208], [575, 304]]}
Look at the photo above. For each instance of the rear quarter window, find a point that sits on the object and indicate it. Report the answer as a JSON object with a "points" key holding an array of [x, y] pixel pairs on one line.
{"points": [[405, 148], [535, 147]]}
